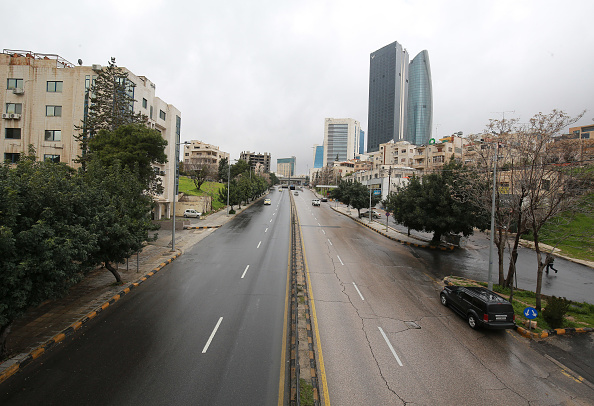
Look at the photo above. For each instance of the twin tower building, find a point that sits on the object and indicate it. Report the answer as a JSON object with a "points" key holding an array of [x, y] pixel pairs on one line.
{"points": [[400, 97], [400, 108]]}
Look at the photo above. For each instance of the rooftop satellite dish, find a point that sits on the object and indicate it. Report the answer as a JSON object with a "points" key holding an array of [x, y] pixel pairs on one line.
{"points": [[80, 62]]}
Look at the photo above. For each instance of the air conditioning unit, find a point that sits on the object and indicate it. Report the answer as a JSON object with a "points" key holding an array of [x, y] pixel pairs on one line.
{"points": [[17, 90], [5, 115], [96, 67], [15, 116]]}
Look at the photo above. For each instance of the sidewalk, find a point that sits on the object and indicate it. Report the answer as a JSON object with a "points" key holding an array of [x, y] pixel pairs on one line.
{"points": [[49, 323], [380, 227]]}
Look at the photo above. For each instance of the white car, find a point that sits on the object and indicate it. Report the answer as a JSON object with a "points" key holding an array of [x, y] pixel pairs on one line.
{"points": [[315, 202], [192, 213]]}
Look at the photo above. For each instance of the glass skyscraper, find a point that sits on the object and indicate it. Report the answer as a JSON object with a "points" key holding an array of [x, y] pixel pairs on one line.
{"points": [[388, 94], [318, 156], [420, 100], [400, 97]]}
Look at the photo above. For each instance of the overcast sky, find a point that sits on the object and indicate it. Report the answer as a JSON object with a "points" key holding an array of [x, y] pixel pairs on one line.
{"points": [[262, 75]]}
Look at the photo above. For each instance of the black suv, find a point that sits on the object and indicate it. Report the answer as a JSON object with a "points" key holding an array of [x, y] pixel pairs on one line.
{"points": [[480, 306]]}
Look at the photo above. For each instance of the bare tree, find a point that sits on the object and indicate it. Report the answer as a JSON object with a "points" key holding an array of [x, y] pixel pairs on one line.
{"points": [[534, 184]]}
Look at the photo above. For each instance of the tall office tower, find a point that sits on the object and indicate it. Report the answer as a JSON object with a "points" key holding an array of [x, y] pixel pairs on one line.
{"points": [[286, 166], [362, 142], [388, 94], [318, 156], [341, 139], [420, 100]]}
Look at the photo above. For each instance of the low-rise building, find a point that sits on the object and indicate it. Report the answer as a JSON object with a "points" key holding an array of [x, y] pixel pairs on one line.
{"points": [[259, 161], [199, 153]]}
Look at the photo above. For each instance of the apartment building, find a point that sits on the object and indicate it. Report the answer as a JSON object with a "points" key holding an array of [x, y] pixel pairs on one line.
{"points": [[46, 96], [259, 162], [200, 153]]}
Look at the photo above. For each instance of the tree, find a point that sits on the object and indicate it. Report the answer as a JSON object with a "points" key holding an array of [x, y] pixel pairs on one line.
{"points": [[273, 179], [534, 186], [45, 235], [136, 147], [199, 173], [122, 214], [238, 168], [437, 204], [223, 169], [109, 104]]}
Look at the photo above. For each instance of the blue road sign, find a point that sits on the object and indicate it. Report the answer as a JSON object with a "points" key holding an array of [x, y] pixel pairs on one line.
{"points": [[387, 214], [377, 192], [530, 313]]}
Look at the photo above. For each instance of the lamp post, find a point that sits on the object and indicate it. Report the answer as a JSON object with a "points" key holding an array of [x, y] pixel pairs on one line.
{"points": [[175, 184], [228, 183], [490, 274]]}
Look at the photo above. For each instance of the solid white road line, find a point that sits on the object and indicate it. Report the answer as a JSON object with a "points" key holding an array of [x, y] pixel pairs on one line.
{"points": [[259, 245], [329, 241], [390, 345], [212, 336], [358, 291], [246, 268], [340, 260]]}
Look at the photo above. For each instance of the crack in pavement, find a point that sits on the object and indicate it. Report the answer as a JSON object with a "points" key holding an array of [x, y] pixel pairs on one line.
{"points": [[362, 319]]}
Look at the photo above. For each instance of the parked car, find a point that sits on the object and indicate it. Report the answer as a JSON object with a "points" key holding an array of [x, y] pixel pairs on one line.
{"points": [[479, 306], [374, 214], [191, 213], [323, 199], [267, 202], [315, 202]]}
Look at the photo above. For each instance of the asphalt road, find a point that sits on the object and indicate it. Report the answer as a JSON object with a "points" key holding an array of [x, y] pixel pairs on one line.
{"points": [[208, 330], [386, 339], [573, 281]]}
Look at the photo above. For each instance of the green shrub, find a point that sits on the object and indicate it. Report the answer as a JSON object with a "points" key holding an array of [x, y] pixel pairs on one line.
{"points": [[555, 311]]}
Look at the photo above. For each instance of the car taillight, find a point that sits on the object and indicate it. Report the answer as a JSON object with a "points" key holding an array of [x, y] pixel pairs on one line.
{"points": [[485, 317], [514, 317]]}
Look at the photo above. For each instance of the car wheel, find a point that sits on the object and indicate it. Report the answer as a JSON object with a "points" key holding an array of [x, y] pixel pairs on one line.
{"points": [[185, 216], [472, 322], [443, 299]]}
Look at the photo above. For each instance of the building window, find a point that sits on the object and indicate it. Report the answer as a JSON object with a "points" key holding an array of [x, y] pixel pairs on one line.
{"points": [[14, 84], [52, 158], [12, 133], [161, 114], [53, 135], [151, 113], [14, 108], [144, 103], [54, 86], [53, 111], [11, 157]]}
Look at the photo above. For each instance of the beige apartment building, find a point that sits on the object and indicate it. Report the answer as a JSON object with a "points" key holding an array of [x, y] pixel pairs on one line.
{"points": [[200, 153], [46, 96]]}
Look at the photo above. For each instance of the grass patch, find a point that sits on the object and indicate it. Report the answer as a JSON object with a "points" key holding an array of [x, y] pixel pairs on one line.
{"points": [[571, 233], [186, 185], [305, 393], [579, 314]]}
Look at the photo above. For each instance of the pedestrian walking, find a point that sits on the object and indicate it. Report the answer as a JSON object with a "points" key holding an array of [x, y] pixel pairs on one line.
{"points": [[550, 266]]}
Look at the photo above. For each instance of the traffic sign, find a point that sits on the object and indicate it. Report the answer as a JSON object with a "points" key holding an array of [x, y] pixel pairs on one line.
{"points": [[377, 192], [387, 214], [530, 313]]}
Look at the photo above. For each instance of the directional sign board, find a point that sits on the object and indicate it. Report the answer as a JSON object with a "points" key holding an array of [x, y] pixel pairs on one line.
{"points": [[530, 313], [377, 192]]}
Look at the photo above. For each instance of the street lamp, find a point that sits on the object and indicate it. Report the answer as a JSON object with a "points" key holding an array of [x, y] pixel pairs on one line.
{"points": [[490, 274], [175, 190], [228, 179]]}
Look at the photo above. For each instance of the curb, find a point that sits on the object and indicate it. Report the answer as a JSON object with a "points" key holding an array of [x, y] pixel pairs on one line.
{"points": [[18, 362], [432, 247], [547, 333], [199, 227]]}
